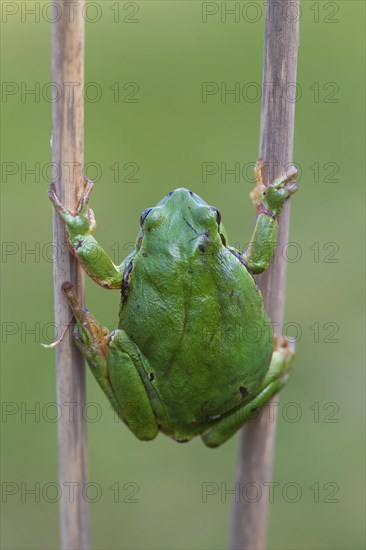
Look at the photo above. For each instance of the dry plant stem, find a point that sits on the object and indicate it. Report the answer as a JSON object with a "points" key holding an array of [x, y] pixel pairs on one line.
{"points": [[254, 465], [68, 158]]}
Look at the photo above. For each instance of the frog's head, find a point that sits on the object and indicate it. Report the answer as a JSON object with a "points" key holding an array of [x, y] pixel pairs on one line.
{"points": [[183, 216]]}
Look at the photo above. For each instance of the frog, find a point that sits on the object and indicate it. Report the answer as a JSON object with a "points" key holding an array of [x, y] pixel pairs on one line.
{"points": [[193, 353]]}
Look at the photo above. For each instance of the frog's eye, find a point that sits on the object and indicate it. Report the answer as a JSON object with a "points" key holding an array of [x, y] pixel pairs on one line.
{"points": [[218, 215], [144, 214]]}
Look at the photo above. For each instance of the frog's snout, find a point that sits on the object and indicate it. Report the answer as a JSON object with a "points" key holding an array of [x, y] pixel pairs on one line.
{"points": [[182, 195], [180, 191]]}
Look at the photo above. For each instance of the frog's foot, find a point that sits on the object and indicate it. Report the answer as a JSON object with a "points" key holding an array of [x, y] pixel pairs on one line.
{"points": [[83, 222], [94, 259], [269, 199], [257, 193], [92, 340], [92, 333], [117, 365], [83, 204], [276, 378]]}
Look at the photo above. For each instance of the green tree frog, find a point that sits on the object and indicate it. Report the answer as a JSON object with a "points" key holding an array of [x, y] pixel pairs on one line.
{"points": [[194, 351]]}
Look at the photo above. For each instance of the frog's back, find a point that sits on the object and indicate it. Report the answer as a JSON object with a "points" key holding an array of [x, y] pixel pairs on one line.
{"points": [[197, 315]]}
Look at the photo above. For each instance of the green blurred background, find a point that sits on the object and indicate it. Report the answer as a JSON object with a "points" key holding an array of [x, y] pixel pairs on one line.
{"points": [[168, 133]]}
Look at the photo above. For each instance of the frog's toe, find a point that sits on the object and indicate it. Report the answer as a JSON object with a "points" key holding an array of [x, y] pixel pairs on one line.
{"points": [[79, 339], [52, 195], [52, 190], [292, 173], [287, 349], [258, 171], [84, 199], [291, 187], [92, 222]]}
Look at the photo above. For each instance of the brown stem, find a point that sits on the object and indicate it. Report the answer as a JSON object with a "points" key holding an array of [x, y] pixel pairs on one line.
{"points": [[255, 458], [68, 160]]}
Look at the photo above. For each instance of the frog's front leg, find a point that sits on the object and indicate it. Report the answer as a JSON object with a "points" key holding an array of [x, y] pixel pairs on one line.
{"points": [[116, 364], [80, 227], [275, 379], [268, 201]]}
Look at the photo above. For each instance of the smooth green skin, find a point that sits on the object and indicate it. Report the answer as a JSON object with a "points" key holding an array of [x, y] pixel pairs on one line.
{"points": [[193, 353]]}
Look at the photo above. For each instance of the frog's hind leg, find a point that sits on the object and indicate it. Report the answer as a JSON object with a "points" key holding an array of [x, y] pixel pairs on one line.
{"points": [[125, 370], [110, 362], [277, 376], [92, 340]]}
